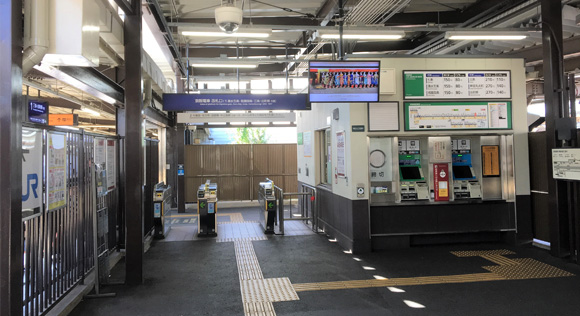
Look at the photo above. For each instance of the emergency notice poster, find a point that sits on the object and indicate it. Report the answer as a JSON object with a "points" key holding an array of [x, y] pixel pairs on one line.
{"points": [[111, 164], [56, 166]]}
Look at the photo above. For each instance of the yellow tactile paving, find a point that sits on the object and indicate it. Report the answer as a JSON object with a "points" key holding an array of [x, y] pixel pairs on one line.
{"points": [[507, 269], [234, 217], [268, 290], [259, 309], [528, 268], [248, 266], [241, 238]]}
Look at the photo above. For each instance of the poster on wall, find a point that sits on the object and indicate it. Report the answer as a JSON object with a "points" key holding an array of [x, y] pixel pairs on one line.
{"points": [[341, 154], [473, 84], [56, 166], [307, 140], [32, 191], [111, 164]]}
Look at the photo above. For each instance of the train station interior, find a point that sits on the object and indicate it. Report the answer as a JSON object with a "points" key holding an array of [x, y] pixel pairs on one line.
{"points": [[274, 157]]}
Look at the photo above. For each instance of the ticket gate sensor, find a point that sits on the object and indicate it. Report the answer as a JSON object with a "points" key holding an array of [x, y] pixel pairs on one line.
{"points": [[161, 205], [268, 205], [465, 183], [413, 184], [207, 210]]}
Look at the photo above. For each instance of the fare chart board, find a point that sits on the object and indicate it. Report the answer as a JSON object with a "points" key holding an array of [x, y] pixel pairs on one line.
{"points": [[423, 116], [473, 84]]}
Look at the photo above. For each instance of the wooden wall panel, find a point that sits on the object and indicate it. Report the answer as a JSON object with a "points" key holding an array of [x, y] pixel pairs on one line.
{"points": [[275, 159], [227, 159], [237, 169], [192, 161], [243, 159], [260, 157], [210, 159], [290, 160]]}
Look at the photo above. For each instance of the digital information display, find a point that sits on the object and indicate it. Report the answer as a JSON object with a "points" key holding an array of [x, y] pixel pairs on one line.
{"points": [[38, 112], [234, 102], [421, 116], [457, 85], [344, 81]]}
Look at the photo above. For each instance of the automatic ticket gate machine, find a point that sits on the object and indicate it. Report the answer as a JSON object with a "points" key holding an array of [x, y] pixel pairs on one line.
{"points": [[161, 205], [268, 204], [207, 210], [465, 182], [412, 182]]}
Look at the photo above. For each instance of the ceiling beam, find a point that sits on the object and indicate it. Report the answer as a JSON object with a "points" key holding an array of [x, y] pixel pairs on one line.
{"points": [[534, 54], [205, 52]]}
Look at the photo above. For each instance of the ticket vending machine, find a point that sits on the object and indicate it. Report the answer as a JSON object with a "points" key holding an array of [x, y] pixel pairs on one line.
{"points": [[413, 186], [268, 205], [207, 210], [465, 182], [161, 204]]}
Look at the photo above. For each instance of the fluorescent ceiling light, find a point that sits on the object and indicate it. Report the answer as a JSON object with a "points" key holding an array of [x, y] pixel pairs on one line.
{"points": [[364, 36], [68, 127], [225, 65], [479, 35], [222, 34], [91, 111]]}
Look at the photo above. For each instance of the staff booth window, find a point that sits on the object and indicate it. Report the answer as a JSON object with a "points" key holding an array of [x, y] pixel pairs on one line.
{"points": [[325, 156]]}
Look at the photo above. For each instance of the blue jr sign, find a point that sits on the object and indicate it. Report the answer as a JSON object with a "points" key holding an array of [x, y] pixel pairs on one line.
{"points": [[31, 169]]}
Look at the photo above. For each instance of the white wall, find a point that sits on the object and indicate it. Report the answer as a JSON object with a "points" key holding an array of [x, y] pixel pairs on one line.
{"points": [[356, 114]]}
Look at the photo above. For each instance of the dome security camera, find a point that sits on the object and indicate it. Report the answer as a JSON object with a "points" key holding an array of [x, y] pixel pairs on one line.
{"points": [[228, 18]]}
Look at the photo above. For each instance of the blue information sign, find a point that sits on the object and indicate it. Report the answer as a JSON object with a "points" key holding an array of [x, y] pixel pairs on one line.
{"points": [[38, 112], [233, 102]]}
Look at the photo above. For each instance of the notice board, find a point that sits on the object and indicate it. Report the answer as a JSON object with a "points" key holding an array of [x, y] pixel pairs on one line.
{"points": [[490, 161], [566, 163], [472, 84], [421, 116]]}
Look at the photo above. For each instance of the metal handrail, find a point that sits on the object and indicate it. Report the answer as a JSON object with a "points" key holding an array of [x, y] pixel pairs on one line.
{"points": [[313, 209]]}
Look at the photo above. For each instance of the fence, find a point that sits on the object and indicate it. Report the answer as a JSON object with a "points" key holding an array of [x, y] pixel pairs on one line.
{"points": [[239, 168], [58, 243]]}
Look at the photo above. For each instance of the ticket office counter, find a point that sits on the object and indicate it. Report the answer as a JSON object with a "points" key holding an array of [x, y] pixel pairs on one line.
{"points": [[441, 189]]}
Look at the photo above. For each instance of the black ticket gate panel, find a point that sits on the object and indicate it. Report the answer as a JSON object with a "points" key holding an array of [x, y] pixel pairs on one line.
{"points": [[207, 221]]}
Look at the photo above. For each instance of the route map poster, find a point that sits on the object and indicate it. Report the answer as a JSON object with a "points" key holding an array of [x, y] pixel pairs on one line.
{"points": [[474, 84], [422, 116]]}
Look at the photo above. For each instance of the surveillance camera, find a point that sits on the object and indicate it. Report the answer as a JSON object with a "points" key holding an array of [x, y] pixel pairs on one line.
{"points": [[228, 18]]}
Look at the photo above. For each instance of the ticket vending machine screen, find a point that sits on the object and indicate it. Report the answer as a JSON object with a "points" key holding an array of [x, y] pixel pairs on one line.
{"points": [[411, 173], [462, 172]]}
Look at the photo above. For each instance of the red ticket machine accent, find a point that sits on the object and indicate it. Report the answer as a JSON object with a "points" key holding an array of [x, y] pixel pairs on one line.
{"points": [[441, 181]]}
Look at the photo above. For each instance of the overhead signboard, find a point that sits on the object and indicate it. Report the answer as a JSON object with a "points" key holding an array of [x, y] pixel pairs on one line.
{"points": [[234, 102], [62, 119], [424, 116], [235, 117], [566, 163], [473, 84], [38, 112]]}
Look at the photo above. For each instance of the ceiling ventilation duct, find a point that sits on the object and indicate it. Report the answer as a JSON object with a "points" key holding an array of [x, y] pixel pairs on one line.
{"points": [[228, 17], [35, 33], [73, 33]]}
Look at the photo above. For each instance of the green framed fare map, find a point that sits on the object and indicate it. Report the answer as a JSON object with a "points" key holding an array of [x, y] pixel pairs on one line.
{"points": [[485, 115], [457, 85]]}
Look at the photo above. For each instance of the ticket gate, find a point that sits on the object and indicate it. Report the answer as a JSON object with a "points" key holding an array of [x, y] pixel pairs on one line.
{"points": [[161, 205], [268, 205], [207, 210]]}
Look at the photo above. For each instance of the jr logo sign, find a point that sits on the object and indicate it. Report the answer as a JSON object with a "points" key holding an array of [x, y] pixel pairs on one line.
{"points": [[31, 168]]}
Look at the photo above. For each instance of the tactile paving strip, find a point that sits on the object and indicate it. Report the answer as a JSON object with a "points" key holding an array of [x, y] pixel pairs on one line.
{"points": [[528, 268], [248, 265], [268, 290], [501, 260], [358, 284], [259, 309], [478, 253], [241, 238]]}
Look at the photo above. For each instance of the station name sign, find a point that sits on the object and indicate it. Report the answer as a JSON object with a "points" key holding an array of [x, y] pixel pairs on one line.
{"points": [[234, 102]]}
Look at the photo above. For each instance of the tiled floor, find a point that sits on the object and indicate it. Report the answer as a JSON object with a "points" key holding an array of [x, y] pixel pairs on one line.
{"points": [[234, 223]]}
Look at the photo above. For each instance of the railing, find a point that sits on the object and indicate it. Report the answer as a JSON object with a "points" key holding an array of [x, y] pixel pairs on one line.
{"points": [[307, 206], [58, 244]]}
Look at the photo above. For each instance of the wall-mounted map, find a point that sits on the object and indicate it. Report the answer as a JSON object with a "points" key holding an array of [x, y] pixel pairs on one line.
{"points": [[421, 116]]}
